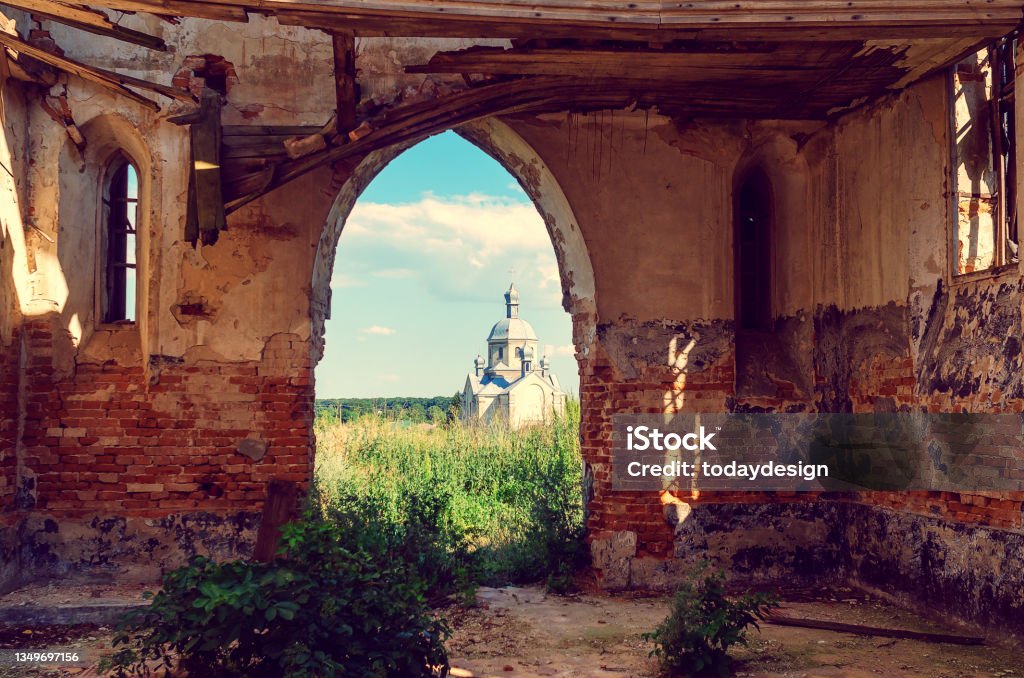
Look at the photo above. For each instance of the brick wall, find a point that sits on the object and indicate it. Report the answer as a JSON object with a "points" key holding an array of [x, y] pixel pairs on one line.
{"points": [[171, 439], [9, 418], [166, 438]]}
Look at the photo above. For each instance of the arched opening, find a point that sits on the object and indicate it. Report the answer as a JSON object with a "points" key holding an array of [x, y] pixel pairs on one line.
{"points": [[418, 334], [754, 224], [103, 244], [770, 225]]}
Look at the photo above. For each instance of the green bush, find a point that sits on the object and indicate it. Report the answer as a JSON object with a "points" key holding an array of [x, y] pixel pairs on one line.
{"points": [[695, 638], [331, 605], [419, 534]]}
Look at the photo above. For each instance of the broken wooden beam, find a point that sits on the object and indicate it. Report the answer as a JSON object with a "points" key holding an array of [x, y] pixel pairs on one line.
{"points": [[279, 508], [861, 630], [411, 123], [87, 20], [115, 82], [345, 86], [205, 218], [179, 8], [299, 147]]}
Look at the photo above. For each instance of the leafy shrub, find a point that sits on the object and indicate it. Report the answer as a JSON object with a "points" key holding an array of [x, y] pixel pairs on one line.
{"points": [[329, 606], [419, 534], [695, 638]]}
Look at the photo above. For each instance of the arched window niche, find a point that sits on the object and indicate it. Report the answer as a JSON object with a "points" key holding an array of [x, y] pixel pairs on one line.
{"points": [[104, 211], [752, 237], [774, 269]]}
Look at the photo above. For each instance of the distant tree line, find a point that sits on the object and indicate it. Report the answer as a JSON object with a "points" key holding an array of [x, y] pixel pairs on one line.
{"points": [[417, 410]]}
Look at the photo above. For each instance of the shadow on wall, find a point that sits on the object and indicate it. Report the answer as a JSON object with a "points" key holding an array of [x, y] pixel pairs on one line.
{"points": [[83, 210]]}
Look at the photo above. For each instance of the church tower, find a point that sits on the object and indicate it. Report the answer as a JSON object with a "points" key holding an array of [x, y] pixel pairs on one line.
{"points": [[509, 340], [512, 387]]}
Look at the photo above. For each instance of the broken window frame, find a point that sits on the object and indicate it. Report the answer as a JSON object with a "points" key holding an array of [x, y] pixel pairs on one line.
{"points": [[1001, 62], [117, 257]]}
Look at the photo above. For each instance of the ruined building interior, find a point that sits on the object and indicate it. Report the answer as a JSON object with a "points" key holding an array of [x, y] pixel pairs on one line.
{"points": [[175, 176]]}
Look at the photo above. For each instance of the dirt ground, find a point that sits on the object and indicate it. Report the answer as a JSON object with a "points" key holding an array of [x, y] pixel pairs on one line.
{"points": [[527, 633]]}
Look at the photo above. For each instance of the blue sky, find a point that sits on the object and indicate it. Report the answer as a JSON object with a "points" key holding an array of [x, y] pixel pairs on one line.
{"points": [[423, 262]]}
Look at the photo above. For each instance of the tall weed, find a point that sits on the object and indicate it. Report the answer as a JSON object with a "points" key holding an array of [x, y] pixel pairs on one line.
{"points": [[470, 503]]}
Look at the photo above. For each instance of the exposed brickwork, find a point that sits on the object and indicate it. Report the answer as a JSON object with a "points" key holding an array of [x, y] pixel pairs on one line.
{"points": [[9, 418], [127, 440], [863, 364]]}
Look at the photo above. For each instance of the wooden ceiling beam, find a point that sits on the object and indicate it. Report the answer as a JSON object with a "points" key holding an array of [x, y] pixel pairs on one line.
{"points": [[180, 8], [87, 20], [807, 61], [115, 82], [364, 26], [737, 19], [411, 123]]}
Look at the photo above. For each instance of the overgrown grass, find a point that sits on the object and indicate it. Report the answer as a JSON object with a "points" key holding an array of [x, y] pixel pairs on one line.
{"points": [[469, 503]]}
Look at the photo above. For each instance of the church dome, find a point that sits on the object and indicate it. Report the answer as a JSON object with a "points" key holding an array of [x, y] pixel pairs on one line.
{"points": [[512, 329]]}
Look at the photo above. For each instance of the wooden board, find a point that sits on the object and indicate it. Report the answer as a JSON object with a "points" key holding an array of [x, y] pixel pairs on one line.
{"points": [[115, 82], [861, 630], [278, 509], [740, 19], [87, 20]]}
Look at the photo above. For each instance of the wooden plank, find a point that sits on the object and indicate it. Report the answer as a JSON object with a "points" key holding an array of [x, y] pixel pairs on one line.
{"points": [[258, 141], [858, 629], [94, 75], [345, 86], [206, 162], [268, 130], [784, 63], [693, 12], [263, 151], [515, 18], [279, 508], [87, 20], [456, 27], [113, 81], [180, 8]]}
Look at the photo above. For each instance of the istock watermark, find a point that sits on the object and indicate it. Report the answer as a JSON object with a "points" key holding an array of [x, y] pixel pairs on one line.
{"points": [[819, 452]]}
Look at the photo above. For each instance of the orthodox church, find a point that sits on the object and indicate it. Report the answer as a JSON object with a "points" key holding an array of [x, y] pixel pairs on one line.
{"points": [[512, 384]]}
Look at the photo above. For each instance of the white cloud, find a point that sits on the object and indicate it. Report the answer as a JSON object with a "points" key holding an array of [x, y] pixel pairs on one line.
{"points": [[389, 377], [377, 329], [461, 248], [567, 351], [482, 224], [342, 280]]}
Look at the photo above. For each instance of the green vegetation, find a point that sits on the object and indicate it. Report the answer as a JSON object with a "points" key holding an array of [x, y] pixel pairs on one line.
{"points": [[336, 603], [402, 517], [416, 410], [703, 624], [487, 504]]}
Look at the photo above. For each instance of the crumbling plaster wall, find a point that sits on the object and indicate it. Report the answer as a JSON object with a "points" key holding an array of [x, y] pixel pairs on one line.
{"points": [[860, 267], [915, 337], [144, 439], [141, 444], [13, 290], [284, 76]]}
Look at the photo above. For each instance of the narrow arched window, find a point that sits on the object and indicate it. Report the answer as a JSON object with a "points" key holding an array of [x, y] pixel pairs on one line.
{"points": [[118, 241], [753, 229]]}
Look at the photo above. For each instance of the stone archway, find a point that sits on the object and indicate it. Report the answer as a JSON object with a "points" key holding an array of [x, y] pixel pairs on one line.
{"points": [[522, 161], [502, 143]]}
